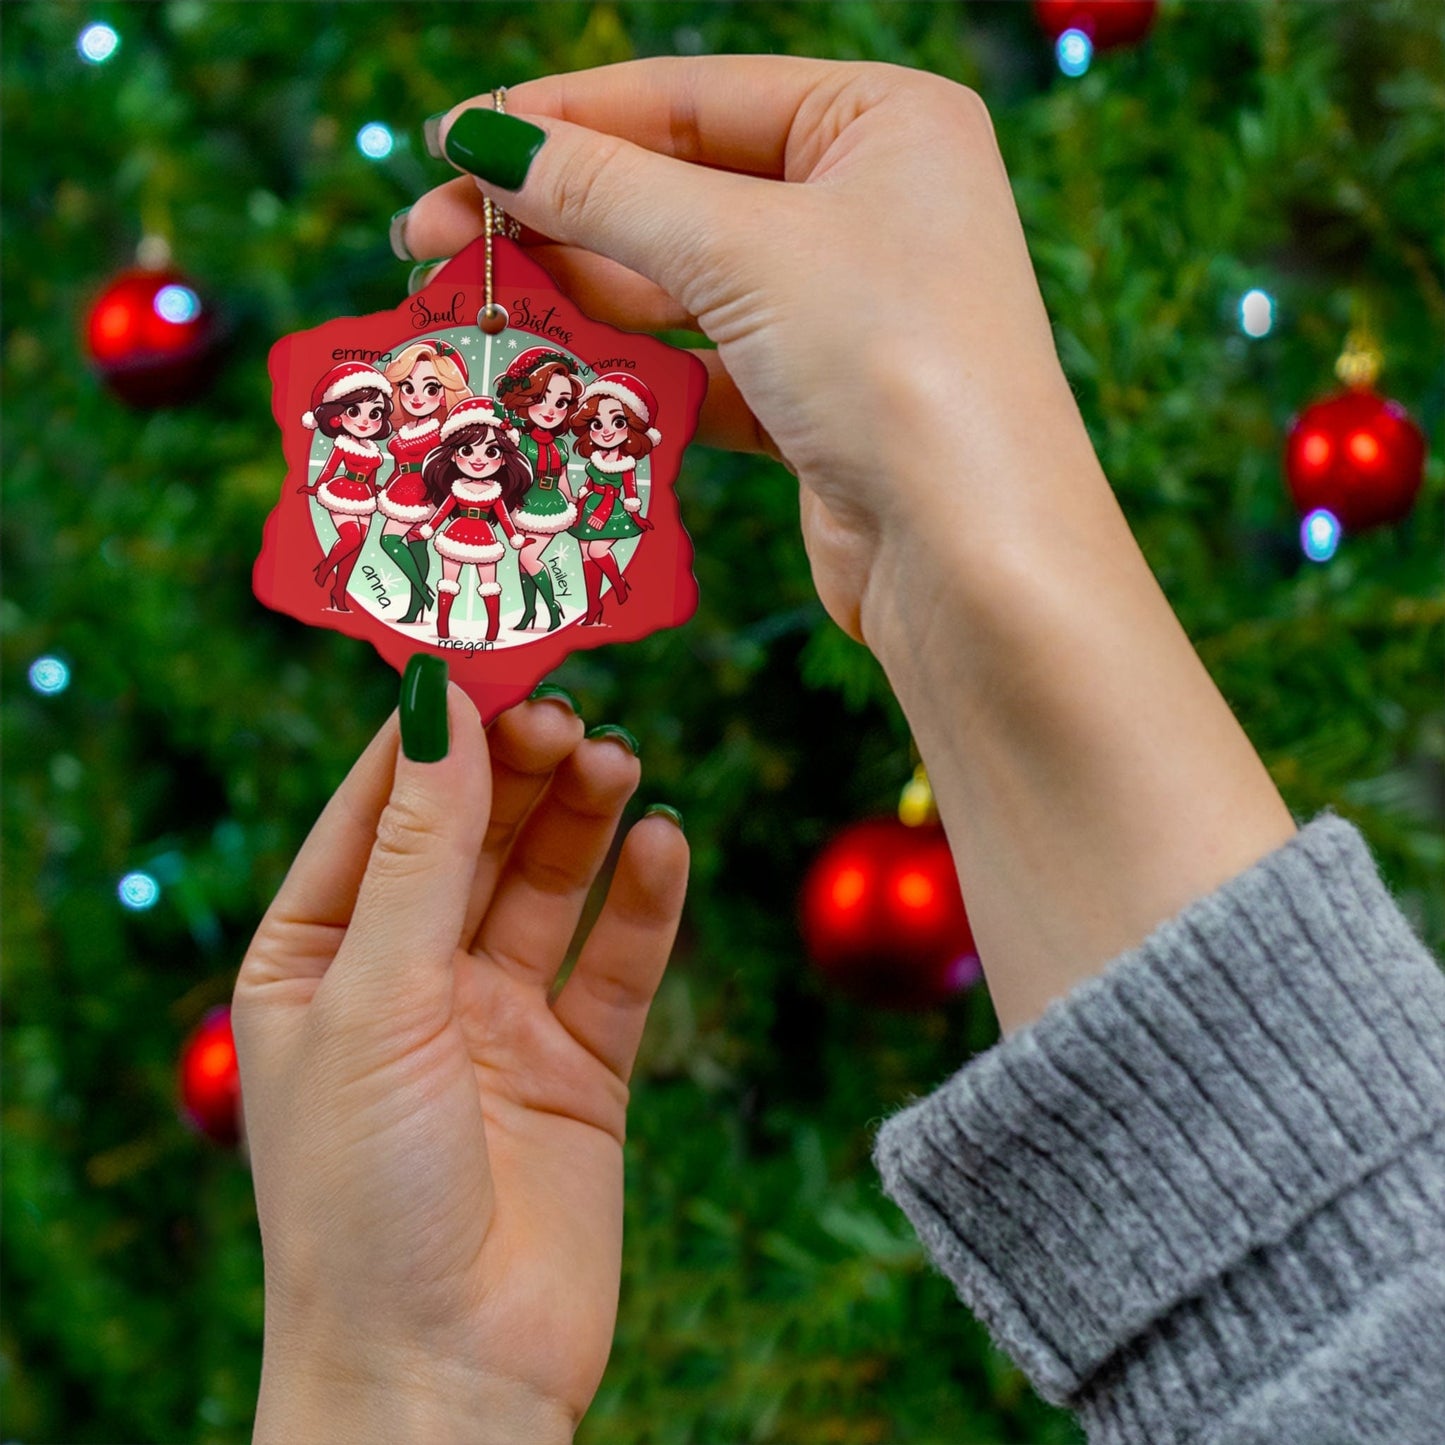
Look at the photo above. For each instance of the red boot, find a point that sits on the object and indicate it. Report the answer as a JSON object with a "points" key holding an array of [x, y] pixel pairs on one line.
{"points": [[446, 595], [349, 538], [344, 569], [493, 602], [592, 577], [608, 564]]}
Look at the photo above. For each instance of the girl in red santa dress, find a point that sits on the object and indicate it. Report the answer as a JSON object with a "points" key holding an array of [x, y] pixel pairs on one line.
{"points": [[350, 404], [430, 378], [540, 388], [474, 479], [613, 426]]}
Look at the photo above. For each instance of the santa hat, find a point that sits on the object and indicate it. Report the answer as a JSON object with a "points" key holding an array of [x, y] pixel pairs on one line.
{"points": [[476, 411], [632, 392], [445, 348], [340, 381], [527, 362]]}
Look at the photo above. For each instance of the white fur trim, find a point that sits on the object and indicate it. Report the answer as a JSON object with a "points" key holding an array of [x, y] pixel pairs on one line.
{"points": [[489, 589], [399, 513], [476, 491], [617, 392], [415, 430], [469, 552], [625, 464], [545, 523], [632, 504], [452, 587], [464, 415], [427, 532], [356, 447], [355, 382], [308, 420], [352, 506], [653, 435], [517, 540]]}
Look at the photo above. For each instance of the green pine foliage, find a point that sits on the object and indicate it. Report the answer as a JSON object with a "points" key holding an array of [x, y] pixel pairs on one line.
{"points": [[771, 1293]]}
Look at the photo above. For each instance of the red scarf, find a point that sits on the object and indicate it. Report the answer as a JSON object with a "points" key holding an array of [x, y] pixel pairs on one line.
{"points": [[609, 492], [549, 459]]}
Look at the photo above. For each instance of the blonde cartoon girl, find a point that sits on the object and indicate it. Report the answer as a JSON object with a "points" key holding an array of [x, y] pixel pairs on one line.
{"points": [[540, 389], [429, 378], [613, 427], [350, 404], [474, 479]]}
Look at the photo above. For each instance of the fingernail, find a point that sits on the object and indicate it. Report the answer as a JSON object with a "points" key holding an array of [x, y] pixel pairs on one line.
{"points": [[613, 730], [498, 148], [431, 134], [550, 689], [422, 273], [424, 708], [396, 231], [667, 811]]}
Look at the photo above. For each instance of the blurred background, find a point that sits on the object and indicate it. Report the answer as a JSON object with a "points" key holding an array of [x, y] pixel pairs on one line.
{"points": [[1221, 199]]}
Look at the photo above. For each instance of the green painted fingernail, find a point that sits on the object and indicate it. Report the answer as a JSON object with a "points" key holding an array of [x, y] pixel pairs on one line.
{"points": [[614, 730], [422, 273], [550, 689], [424, 708], [498, 148], [667, 811], [396, 233], [431, 134]]}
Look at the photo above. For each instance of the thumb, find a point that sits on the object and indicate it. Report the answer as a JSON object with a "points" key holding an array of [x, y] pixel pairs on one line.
{"points": [[664, 218], [407, 923]]}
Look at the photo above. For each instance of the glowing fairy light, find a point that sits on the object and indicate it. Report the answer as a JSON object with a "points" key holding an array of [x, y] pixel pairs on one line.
{"points": [[375, 141], [1073, 50], [97, 43], [177, 304], [138, 891], [49, 675], [1256, 313], [1320, 535]]}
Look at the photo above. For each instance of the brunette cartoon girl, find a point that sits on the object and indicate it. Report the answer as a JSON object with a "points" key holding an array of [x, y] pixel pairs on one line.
{"points": [[473, 479], [613, 427], [349, 403], [539, 389], [430, 378]]}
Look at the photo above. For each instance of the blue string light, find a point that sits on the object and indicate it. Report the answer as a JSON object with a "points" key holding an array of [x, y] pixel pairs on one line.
{"points": [[49, 675], [97, 43], [1073, 50], [1319, 535], [375, 141], [177, 304], [1256, 313], [138, 891]]}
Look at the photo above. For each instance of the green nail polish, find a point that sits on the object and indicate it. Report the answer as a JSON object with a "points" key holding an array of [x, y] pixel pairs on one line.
{"points": [[667, 811], [498, 148], [614, 730], [424, 708], [422, 273], [431, 134], [396, 233], [550, 689]]}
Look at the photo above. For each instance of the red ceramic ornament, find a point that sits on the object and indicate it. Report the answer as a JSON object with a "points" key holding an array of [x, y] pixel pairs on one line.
{"points": [[1107, 23], [501, 500], [152, 338], [210, 1082], [1356, 454], [883, 918]]}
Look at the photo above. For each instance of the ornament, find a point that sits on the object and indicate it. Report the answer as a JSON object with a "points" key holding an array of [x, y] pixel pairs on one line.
{"points": [[883, 917], [210, 1082], [1108, 24], [484, 472], [152, 338], [1355, 454]]}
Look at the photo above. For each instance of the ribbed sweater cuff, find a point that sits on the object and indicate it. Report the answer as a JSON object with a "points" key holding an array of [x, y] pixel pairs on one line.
{"points": [[1231, 1085]]}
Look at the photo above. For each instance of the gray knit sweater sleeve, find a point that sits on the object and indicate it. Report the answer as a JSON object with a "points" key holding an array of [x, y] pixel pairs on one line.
{"points": [[1202, 1198]]}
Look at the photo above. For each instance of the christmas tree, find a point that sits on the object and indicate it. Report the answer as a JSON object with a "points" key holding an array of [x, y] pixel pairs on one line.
{"points": [[168, 741]]}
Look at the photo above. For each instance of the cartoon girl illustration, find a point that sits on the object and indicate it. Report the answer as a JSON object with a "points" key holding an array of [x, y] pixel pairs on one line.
{"points": [[613, 427], [349, 403], [473, 479], [539, 389], [430, 378]]}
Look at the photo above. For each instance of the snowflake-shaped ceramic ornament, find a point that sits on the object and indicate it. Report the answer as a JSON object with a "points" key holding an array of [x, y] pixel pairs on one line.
{"points": [[501, 498]]}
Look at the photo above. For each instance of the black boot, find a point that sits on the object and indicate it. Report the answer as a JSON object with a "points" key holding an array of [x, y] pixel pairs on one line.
{"points": [[542, 582]]}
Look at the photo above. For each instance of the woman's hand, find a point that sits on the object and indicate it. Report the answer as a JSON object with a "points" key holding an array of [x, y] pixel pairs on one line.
{"points": [[874, 317], [436, 1144]]}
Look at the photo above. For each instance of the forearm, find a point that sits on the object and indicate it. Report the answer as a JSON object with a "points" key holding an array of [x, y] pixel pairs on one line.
{"points": [[1091, 778]]}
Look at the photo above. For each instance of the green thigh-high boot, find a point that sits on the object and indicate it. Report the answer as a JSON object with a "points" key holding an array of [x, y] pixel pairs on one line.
{"points": [[397, 549], [422, 558], [529, 597], [543, 583]]}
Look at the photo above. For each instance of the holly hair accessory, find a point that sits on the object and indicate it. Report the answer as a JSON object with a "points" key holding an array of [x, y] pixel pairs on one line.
{"points": [[444, 494]]}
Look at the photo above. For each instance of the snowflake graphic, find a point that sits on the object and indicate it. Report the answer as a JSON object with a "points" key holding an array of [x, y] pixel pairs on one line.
{"points": [[512, 344]]}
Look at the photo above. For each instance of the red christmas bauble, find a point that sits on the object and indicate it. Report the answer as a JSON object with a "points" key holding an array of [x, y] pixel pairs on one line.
{"points": [[1107, 23], [883, 917], [210, 1082], [152, 338], [1356, 454]]}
